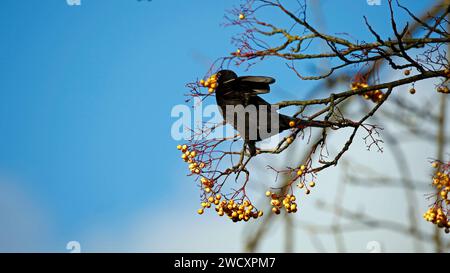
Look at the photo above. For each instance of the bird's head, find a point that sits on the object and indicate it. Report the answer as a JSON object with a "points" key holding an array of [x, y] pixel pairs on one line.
{"points": [[224, 76], [213, 83]]}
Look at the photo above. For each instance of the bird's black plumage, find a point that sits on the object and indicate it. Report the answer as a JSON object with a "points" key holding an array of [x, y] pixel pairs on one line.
{"points": [[241, 94]]}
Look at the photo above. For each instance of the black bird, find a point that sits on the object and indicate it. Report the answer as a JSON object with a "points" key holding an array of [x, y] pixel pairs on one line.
{"points": [[240, 106]]}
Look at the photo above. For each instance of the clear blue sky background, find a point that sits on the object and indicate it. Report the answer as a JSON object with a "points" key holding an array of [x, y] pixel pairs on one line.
{"points": [[85, 99]]}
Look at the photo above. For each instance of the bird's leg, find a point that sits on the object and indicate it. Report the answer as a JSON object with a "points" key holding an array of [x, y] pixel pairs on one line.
{"points": [[243, 169], [239, 165], [251, 147]]}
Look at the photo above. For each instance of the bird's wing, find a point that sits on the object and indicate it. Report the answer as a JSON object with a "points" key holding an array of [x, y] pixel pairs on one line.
{"points": [[257, 79], [254, 85]]}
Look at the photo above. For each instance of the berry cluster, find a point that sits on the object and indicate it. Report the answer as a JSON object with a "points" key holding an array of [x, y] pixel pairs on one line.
{"points": [[442, 183], [441, 180], [375, 95], [438, 213], [212, 199], [207, 183], [278, 202], [447, 73], [195, 166], [210, 83], [437, 217], [235, 210], [443, 89], [302, 184]]}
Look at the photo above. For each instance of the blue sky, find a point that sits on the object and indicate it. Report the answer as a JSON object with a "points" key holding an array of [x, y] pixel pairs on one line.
{"points": [[85, 99]]}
